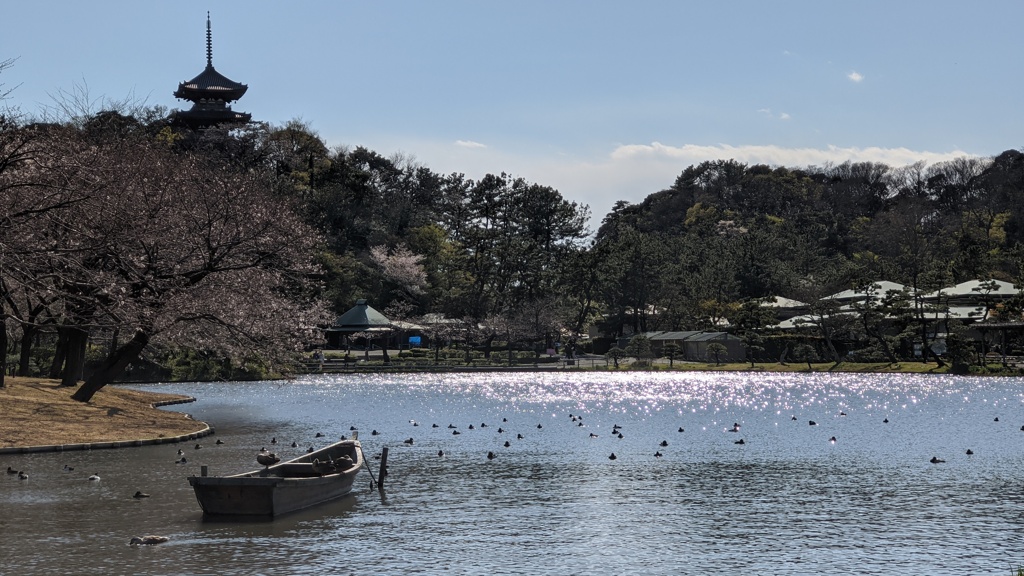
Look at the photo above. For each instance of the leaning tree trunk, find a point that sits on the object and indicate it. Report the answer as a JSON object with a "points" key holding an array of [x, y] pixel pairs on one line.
{"points": [[112, 367], [886, 349]]}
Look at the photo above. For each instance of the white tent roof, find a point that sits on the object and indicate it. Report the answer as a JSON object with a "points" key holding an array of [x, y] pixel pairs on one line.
{"points": [[884, 286], [780, 302], [973, 288], [805, 321]]}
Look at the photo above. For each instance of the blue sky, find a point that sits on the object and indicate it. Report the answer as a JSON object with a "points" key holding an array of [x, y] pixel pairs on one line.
{"points": [[602, 100]]}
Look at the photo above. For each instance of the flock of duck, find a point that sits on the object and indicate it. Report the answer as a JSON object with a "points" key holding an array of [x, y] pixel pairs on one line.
{"points": [[267, 458], [138, 495], [22, 475], [95, 477], [617, 432]]}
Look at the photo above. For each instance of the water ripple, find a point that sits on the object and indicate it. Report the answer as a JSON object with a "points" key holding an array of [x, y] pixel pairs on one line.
{"points": [[786, 501]]}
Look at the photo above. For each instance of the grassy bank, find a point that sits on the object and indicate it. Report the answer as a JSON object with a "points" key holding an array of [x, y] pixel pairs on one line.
{"points": [[336, 363], [854, 367], [39, 412]]}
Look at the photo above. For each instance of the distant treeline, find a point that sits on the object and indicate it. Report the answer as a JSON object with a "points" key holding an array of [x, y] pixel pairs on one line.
{"points": [[120, 224]]}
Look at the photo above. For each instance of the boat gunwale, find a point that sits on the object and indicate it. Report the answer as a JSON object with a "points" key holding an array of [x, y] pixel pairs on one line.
{"points": [[266, 477]]}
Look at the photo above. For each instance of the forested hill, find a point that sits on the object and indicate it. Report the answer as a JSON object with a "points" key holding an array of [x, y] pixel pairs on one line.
{"points": [[722, 233], [242, 240], [725, 232]]}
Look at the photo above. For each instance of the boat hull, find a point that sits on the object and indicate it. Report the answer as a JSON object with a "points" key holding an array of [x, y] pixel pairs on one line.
{"points": [[279, 489]]}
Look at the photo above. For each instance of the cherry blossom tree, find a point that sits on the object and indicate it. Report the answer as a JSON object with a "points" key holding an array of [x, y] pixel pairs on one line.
{"points": [[124, 234], [402, 268]]}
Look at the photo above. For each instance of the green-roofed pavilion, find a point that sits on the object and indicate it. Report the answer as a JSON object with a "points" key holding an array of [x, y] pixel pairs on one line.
{"points": [[361, 318]]}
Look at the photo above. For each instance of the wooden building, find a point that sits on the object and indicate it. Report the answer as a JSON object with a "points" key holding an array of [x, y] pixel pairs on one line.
{"points": [[211, 94]]}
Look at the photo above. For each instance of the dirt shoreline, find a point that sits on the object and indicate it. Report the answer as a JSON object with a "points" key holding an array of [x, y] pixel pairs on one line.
{"points": [[40, 413]]}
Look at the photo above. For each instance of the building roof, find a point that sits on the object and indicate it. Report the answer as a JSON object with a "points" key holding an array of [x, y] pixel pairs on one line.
{"points": [[710, 336], [408, 326], [780, 302], [672, 335], [973, 288], [210, 84], [361, 318], [806, 320], [210, 92], [884, 287], [690, 336]]}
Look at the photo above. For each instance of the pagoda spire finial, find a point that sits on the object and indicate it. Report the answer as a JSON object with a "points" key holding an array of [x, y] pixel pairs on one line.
{"points": [[209, 42]]}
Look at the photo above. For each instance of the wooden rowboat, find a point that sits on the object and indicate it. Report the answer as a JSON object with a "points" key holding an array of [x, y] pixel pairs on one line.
{"points": [[308, 480]]}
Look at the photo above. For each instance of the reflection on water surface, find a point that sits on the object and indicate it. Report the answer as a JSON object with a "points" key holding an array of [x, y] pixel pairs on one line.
{"points": [[786, 501]]}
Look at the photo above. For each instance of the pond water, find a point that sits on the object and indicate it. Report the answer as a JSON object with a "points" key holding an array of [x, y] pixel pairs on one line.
{"points": [[786, 501]]}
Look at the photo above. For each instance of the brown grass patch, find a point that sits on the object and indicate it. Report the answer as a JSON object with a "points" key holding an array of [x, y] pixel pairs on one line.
{"points": [[39, 412]]}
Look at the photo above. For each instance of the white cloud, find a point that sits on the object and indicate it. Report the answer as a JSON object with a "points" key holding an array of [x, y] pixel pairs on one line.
{"points": [[855, 76], [768, 112], [779, 156], [469, 144]]}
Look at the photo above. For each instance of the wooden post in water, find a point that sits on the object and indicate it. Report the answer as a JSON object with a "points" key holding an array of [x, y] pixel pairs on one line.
{"points": [[383, 468]]}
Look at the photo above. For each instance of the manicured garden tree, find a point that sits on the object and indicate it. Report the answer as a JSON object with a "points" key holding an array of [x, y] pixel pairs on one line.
{"points": [[716, 350], [875, 310], [748, 320], [639, 347], [753, 343], [671, 350], [959, 349], [827, 318], [616, 354], [805, 353]]}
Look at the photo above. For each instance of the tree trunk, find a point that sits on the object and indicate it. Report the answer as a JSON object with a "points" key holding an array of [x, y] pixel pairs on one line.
{"points": [[112, 367], [113, 342], [926, 348], [877, 335], [83, 348], [827, 334], [28, 333], [59, 352], [74, 356], [3, 349]]}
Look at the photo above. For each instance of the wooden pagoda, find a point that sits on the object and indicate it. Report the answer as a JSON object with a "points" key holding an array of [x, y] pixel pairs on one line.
{"points": [[211, 94]]}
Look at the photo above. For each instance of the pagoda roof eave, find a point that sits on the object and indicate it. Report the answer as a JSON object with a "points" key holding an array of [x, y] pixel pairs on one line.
{"points": [[210, 84]]}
